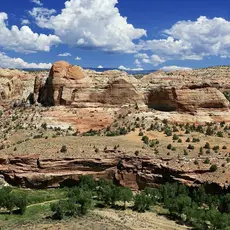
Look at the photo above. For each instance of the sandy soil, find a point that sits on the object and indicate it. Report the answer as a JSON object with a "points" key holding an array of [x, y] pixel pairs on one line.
{"points": [[111, 220]]}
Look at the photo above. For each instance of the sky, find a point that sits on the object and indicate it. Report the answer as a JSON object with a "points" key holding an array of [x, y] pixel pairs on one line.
{"points": [[124, 34]]}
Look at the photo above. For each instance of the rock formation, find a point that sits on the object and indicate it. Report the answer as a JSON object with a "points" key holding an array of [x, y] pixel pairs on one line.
{"points": [[17, 86], [186, 99], [10, 85], [133, 172], [73, 86]]}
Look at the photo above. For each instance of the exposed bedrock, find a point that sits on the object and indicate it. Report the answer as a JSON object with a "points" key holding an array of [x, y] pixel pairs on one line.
{"points": [[133, 172], [72, 86], [184, 99]]}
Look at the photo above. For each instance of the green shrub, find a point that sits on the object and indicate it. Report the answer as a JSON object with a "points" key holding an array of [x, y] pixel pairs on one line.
{"points": [[145, 139], [207, 161], [63, 149], [191, 147], [209, 131], [142, 202], [220, 134], [173, 148], [185, 152], [196, 162], [63, 208], [213, 168], [168, 132], [169, 146], [141, 134], [126, 195], [216, 148], [201, 150], [175, 137], [10, 200], [207, 146], [188, 140], [44, 126]]}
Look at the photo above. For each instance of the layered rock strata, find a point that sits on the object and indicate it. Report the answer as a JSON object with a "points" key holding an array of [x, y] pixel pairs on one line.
{"points": [[133, 172], [72, 86]]}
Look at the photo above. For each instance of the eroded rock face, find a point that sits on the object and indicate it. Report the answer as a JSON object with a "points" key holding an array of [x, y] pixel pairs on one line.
{"points": [[68, 85], [72, 86], [18, 86], [186, 99], [133, 172], [10, 85]]}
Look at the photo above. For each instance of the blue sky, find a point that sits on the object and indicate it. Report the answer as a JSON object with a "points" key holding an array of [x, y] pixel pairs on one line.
{"points": [[130, 34]]}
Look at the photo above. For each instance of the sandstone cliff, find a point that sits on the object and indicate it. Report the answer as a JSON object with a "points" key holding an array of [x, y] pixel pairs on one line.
{"points": [[133, 172], [17, 86], [73, 86], [185, 91]]}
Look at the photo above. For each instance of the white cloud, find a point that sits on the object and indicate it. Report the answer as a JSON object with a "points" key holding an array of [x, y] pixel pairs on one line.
{"points": [[128, 69], [141, 56], [154, 59], [78, 58], [24, 39], [173, 68], [25, 22], [8, 62], [192, 40], [137, 63], [41, 15], [64, 55], [92, 23], [38, 2], [100, 67]]}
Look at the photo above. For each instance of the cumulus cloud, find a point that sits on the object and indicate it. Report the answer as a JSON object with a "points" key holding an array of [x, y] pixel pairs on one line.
{"points": [[137, 63], [141, 56], [78, 58], [8, 62], [100, 67], [192, 40], [37, 2], [128, 69], [25, 22], [64, 55], [91, 23], [42, 15], [24, 39], [154, 59], [173, 68]]}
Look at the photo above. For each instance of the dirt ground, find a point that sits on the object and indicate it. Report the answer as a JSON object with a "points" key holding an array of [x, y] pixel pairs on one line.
{"points": [[109, 219]]}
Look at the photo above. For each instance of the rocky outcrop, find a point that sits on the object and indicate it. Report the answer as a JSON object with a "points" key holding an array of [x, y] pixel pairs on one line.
{"points": [[72, 86], [186, 99], [10, 85], [17, 87], [133, 172]]}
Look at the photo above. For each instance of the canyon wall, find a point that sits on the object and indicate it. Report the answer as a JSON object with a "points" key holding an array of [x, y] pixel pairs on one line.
{"points": [[133, 172], [72, 86]]}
